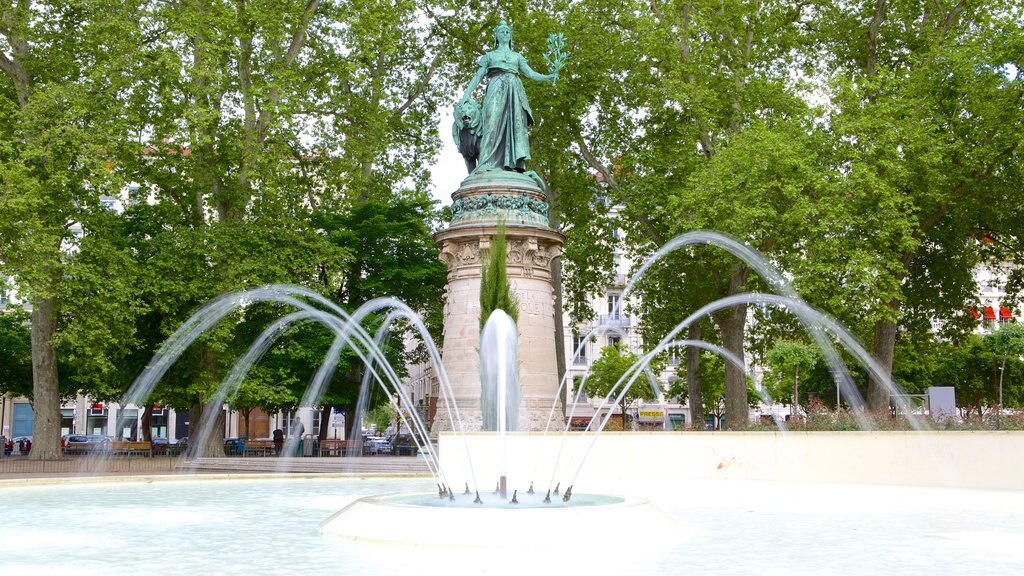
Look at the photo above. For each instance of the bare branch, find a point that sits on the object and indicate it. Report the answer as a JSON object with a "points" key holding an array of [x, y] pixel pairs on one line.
{"points": [[295, 47], [606, 173], [299, 38], [873, 29], [422, 84]]}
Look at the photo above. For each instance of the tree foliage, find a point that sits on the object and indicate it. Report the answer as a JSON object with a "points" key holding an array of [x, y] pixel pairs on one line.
{"points": [[606, 378], [495, 290], [789, 360]]}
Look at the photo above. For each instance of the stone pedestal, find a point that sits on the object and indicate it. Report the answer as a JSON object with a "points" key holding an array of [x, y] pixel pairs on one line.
{"points": [[532, 245]]}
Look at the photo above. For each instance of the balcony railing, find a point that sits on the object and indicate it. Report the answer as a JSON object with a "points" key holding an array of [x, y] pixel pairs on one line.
{"points": [[617, 320]]}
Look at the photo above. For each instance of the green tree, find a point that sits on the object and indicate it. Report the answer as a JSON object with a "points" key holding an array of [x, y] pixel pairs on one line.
{"points": [[653, 117], [608, 370], [241, 144], [926, 101], [495, 291], [788, 360], [63, 66], [1008, 343], [389, 252], [969, 368], [15, 353]]}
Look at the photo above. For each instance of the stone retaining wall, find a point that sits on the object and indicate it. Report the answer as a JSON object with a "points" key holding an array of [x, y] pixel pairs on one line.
{"points": [[983, 460]]}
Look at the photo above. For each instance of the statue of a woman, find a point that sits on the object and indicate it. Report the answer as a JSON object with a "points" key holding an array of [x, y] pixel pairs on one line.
{"points": [[506, 113]]}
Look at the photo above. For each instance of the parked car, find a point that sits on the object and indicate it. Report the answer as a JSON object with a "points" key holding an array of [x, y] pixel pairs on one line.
{"points": [[163, 446], [95, 441], [403, 445], [22, 443], [234, 446], [377, 445]]}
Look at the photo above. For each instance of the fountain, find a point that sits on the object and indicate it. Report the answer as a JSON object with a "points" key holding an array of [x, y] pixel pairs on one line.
{"points": [[722, 502]]}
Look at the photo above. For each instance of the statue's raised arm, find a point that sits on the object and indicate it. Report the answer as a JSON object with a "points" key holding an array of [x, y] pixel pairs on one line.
{"points": [[500, 139]]}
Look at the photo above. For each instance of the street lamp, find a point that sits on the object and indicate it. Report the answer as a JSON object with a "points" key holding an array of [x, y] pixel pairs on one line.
{"points": [[1002, 370]]}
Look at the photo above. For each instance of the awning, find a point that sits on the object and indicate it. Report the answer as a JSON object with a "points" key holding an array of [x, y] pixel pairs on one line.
{"points": [[1005, 315], [974, 313], [990, 314]]}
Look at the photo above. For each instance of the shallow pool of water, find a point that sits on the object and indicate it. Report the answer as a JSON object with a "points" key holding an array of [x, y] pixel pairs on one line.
{"points": [[270, 526]]}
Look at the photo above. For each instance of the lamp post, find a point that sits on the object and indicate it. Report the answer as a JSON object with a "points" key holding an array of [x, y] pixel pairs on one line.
{"points": [[1002, 370]]}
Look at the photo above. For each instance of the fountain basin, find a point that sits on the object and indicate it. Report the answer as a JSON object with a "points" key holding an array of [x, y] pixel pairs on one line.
{"points": [[424, 519], [210, 525]]}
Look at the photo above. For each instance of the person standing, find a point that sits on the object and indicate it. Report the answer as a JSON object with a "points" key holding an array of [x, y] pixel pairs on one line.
{"points": [[278, 441]]}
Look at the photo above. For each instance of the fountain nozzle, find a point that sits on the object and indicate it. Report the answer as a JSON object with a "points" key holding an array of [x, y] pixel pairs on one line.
{"points": [[556, 488], [467, 492], [478, 500], [497, 487], [568, 494], [440, 492], [530, 491], [514, 499], [547, 499]]}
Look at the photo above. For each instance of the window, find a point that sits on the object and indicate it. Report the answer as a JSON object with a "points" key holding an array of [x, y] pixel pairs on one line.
{"points": [[67, 421], [158, 423], [96, 423], [23, 419], [614, 340], [128, 421], [316, 421], [579, 350], [614, 311]]}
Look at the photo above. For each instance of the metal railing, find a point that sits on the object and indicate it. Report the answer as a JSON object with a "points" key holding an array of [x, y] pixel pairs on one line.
{"points": [[617, 320], [89, 464]]}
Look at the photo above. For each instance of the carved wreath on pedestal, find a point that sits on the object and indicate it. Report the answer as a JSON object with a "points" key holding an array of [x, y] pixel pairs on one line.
{"points": [[523, 206]]}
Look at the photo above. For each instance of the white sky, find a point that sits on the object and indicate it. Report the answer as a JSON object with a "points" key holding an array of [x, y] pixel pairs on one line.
{"points": [[450, 169]]}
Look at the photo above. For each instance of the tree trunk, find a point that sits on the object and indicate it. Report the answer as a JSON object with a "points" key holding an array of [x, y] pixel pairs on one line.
{"points": [[45, 382], [351, 433], [693, 382], [214, 446], [147, 424], [796, 393], [883, 347], [732, 325], [556, 285], [325, 421]]}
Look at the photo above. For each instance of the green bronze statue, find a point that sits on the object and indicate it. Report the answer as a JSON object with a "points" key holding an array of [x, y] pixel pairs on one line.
{"points": [[499, 138]]}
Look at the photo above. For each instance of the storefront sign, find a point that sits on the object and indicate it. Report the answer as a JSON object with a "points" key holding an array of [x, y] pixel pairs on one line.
{"points": [[649, 415]]}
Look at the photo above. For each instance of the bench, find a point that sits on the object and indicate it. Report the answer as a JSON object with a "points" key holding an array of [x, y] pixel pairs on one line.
{"points": [[131, 448], [336, 447], [259, 448]]}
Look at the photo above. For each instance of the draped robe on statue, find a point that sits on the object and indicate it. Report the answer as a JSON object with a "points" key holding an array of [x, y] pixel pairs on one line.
{"points": [[506, 115]]}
